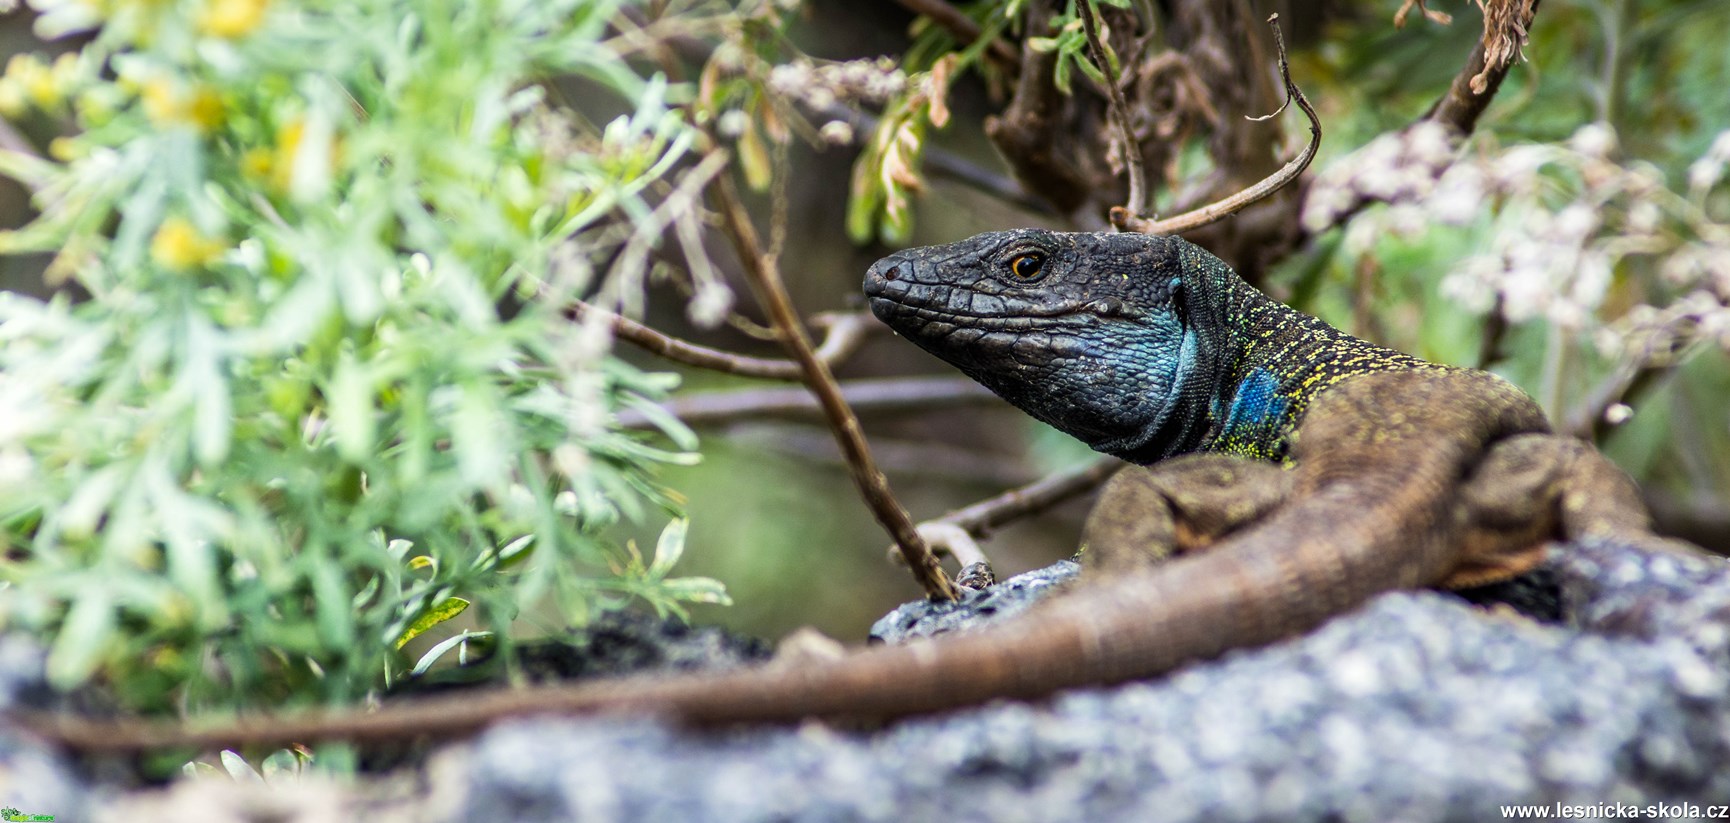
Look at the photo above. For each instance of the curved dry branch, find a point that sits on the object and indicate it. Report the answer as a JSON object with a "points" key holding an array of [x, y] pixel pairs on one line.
{"points": [[765, 279], [882, 396], [845, 334], [1126, 220], [1033, 498], [1118, 110]]}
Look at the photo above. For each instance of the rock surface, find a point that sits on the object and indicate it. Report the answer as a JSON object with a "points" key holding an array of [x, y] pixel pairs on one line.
{"points": [[1418, 707], [33, 779]]}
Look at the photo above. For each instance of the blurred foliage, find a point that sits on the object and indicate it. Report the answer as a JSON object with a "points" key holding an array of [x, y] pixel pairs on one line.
{"points": [[322, 395]]}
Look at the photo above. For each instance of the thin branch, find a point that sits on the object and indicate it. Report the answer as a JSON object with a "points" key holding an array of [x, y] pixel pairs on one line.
{"points": [[1119, 111], [1033, 498], [846, 333], [962, 27], [881, 396], [765, 280], [897, 458], [1610, 404], [1439, 17], [1475, 85], [955, 533], [1189, 221], [950, 538], [1492, 347]]}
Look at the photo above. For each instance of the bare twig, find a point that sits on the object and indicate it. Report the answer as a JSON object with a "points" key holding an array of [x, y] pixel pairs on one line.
{"points": [[1033, 498], [955, 533], [1119, 112], [1475, 85], [1440, 17], [1188, 221], [950, 538], [897, 457], [1611, 403], [1492, 348], [961, 27], [761, 271], [886, 395], [846, 332]]}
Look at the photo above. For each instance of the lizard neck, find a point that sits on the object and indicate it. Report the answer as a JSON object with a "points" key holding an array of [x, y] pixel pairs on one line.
{"points": [[1275, 361]]}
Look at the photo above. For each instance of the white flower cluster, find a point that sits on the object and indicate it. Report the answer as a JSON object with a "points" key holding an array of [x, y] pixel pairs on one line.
{"points": [[1705, 173], [1565, 221], [820, 86], [1399, 167]]}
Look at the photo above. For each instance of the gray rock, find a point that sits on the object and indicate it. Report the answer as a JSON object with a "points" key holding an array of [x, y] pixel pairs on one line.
{"points": [[33, 778], [1415, 708], [976, 607]]}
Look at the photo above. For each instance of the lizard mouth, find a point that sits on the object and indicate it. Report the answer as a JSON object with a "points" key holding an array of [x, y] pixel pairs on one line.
{"points": [[894, 311]]}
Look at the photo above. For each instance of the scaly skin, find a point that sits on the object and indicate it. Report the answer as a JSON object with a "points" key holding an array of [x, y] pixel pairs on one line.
{"points": [[1146, 347], [1143, 347]]}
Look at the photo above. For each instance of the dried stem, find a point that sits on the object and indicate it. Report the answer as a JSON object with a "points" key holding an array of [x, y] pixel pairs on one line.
{"points": [[1119, 112], [846, 333], [762, 273], [1033, 498], [1439, 17], [1475, 85], [1594, 420], [1126, 220], [886, 395]]}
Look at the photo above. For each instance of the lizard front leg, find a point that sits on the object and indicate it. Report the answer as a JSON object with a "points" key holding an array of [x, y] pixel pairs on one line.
{"points": [[1144, 516]]}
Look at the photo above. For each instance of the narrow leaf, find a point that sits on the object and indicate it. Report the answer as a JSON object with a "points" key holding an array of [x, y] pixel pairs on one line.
{"points": [[448, 608]]}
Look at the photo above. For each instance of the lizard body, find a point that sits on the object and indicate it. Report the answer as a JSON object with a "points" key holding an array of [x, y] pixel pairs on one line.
{"points": [[1405, 474]]}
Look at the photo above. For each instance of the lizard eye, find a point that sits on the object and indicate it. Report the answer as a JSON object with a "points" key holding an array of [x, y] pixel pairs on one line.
{"points": [[1027, 266]]}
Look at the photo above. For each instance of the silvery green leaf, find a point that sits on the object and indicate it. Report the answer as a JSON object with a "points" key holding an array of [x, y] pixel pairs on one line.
{"points": [[351, 410], [669, 548]]}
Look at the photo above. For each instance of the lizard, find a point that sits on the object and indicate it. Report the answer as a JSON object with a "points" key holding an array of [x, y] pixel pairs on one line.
{"points": [[1296, 471]]}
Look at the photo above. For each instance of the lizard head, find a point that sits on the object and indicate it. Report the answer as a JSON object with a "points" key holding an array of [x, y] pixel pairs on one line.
{"points": [[1090, 333]]}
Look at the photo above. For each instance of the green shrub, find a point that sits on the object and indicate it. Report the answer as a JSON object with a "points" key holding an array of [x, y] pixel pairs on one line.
{"points": [[321, 394]]}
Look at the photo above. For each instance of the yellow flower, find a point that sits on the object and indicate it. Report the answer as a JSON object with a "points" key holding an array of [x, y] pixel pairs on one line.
{"points": [[65, 70], [180, 246], [12, 102], [258, 164], [288, 141], [64, 149], [232, 18], [169, 103], [287, 146], [31, 80]]}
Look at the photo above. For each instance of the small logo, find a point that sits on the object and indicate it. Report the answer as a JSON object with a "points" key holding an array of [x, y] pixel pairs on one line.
{"points": [[11, 814]]}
